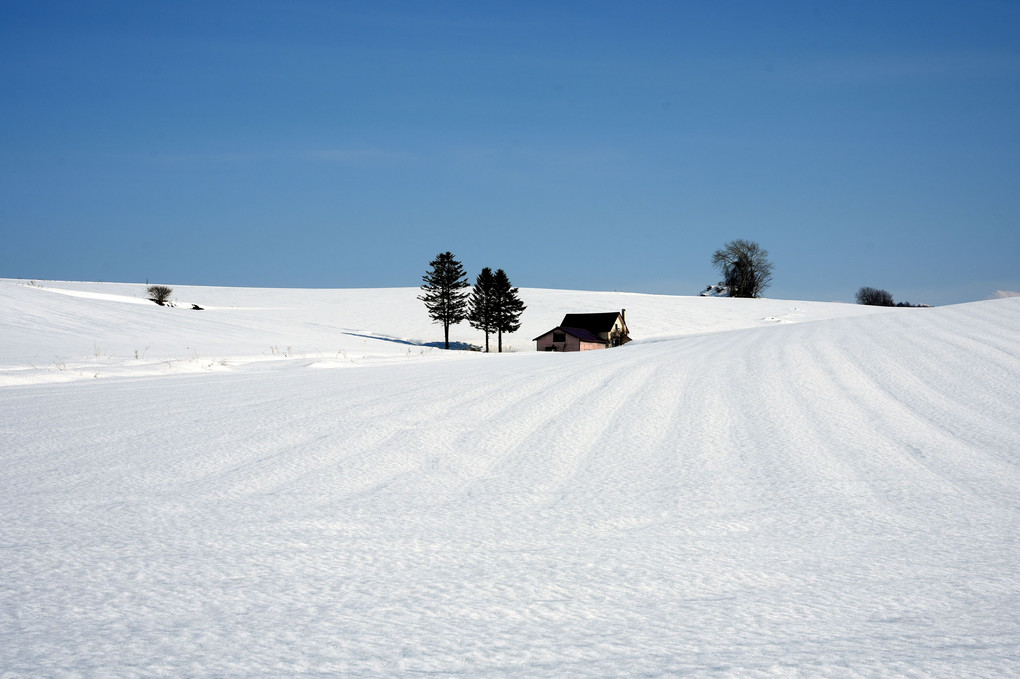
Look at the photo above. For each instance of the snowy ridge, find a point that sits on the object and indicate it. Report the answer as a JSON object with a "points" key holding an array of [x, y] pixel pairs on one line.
{"points": [[728, 496], [61, 331]]}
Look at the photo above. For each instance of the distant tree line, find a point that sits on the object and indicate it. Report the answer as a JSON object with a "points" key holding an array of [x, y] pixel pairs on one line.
{"points": [[493, 306], [876, 297]]}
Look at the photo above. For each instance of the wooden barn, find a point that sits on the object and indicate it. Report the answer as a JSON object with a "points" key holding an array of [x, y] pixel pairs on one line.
{"points": [[584, 332]]}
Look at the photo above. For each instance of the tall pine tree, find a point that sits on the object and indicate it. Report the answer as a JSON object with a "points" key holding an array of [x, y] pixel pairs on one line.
{"points": [[481, 314], [507, 306], [442, 292]]}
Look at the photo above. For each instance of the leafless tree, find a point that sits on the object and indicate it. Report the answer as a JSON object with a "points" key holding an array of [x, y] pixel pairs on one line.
{"points": [[745, 267], [160, 294], [874, 297]]}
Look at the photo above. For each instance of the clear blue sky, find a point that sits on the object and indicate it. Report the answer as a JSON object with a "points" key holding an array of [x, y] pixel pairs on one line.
{"points": [[590, 145]]}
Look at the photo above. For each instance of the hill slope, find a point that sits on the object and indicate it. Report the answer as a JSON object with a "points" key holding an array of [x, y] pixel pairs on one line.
{"points": [[827, 498], [60, 331]]}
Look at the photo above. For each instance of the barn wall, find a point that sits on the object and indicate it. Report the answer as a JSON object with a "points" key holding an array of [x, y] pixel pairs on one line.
{"points": [[544, 343]]}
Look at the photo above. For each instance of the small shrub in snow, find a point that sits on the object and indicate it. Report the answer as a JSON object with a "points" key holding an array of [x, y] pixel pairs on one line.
{"points": [[159, 294]]}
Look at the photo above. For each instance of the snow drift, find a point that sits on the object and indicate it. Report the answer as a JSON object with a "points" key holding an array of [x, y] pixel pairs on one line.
{"points": [[753, 488]]}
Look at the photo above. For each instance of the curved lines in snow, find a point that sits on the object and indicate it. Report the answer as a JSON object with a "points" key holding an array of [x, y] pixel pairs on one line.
{"points": [[945, 405], [541, 439], [875, 443], [614, 445], [892, 437]]}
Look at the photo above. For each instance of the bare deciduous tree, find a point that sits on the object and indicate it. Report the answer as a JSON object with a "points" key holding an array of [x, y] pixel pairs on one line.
{"points": [[745, 267], [159, 294], [874, 297]]}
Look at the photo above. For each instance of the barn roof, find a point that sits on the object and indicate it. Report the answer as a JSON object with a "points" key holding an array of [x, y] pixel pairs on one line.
{"points": [[579, 333], [582, 334], [601, 322]]}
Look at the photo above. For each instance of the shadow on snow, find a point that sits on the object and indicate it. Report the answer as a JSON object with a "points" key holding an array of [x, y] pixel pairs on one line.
{"points": [[460, 346]]}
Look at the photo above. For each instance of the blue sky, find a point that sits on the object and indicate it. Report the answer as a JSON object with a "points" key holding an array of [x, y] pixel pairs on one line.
{"points": [[589, 145]]}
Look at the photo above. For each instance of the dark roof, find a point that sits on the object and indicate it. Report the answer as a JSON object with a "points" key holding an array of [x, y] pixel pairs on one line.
{"points": [[596, 323], [579, 333], [582, 334]]}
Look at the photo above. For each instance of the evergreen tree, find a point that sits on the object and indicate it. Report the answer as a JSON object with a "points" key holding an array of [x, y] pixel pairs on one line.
{"points": [[442, 292], [480, 305], [507, 306]]}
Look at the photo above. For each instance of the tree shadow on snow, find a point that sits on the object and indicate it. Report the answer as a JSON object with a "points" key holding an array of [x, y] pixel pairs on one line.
{"points": [[459, 346]]}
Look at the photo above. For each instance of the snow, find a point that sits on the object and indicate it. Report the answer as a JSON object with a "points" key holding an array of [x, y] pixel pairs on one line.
{"points": [[292, 483]]}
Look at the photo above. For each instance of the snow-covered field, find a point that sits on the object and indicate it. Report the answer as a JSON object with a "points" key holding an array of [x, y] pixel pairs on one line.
{"points": [[293, 483]]}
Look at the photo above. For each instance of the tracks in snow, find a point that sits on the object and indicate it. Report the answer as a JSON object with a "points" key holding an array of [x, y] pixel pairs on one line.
{"points": [[829, 495]]}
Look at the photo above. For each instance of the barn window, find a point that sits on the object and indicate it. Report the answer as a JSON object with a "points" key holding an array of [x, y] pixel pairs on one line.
{"points": [[559, 337]]}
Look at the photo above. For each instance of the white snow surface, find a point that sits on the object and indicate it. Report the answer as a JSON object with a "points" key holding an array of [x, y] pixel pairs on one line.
{"points": [[291, 483]]}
